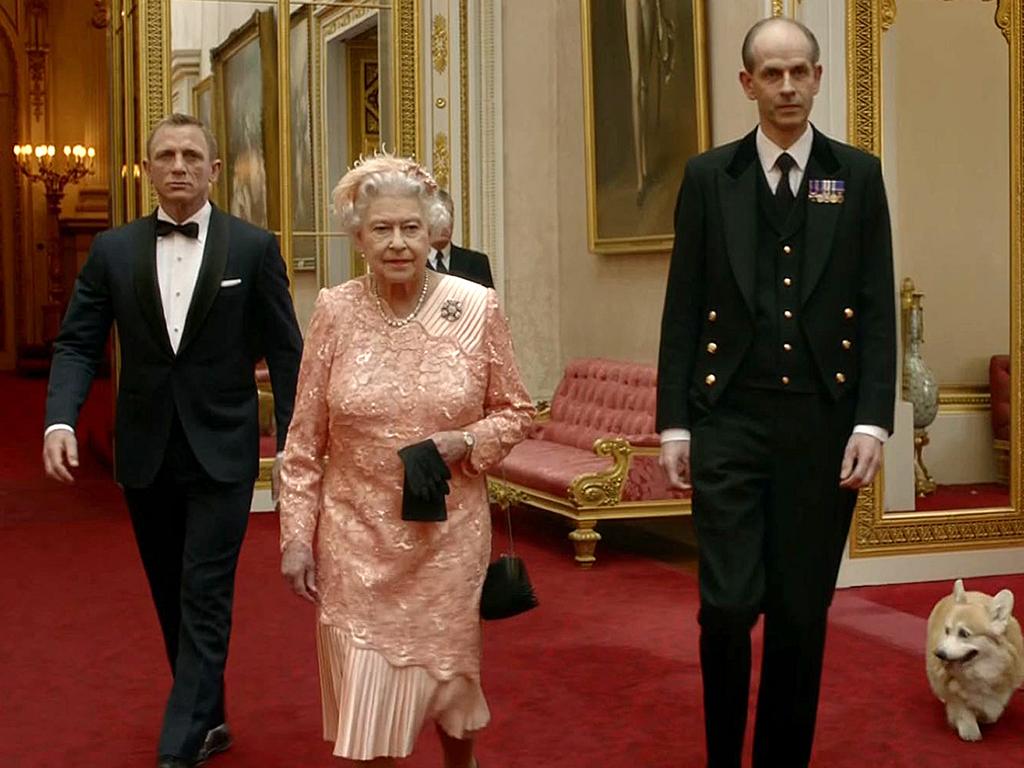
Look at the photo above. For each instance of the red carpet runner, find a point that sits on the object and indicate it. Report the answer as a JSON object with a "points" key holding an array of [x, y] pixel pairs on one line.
{"points": [[604, 673]]}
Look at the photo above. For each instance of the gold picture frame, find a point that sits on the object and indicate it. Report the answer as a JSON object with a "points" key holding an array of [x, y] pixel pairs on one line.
{"points": [[306, 245], [878, 532], [646, 112], [202, 101], [246, 121]]}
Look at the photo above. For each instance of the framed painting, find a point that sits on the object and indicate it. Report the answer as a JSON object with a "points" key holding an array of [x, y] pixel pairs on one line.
{"points": [[305, 243], [646, 109], [245, 90], [202, 101]]}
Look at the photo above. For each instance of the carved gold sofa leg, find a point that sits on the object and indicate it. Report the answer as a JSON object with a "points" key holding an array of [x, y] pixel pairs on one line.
{"points": [[584, 540]]}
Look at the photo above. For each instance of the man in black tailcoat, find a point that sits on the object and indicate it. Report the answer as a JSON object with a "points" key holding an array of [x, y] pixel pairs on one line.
{"points": [[776, 388], [198, 297]]}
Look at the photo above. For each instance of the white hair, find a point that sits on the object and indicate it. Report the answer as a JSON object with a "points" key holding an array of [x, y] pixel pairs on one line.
{"points": [[385, 174]]}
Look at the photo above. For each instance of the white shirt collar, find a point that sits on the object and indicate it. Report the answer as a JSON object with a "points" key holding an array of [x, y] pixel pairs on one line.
{"points": [[800, 150], [444, 255], [200, 217]]}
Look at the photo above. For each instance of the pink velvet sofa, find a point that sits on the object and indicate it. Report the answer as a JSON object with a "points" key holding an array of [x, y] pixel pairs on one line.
{"points": [[593, 455]]}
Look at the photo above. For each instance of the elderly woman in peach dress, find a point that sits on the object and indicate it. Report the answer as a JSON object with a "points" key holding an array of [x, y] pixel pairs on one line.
{"points": [[391, 359]]}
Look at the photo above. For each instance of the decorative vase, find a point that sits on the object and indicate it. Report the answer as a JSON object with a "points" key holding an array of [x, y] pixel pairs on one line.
{"points": [[919, 385]]}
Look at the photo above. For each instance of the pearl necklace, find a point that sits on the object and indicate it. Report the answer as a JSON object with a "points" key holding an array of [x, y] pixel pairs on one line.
{"points": [[398, 322]]}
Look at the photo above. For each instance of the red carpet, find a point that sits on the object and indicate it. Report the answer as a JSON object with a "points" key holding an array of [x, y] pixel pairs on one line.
{"points": [[603, 673], [965, 496]]}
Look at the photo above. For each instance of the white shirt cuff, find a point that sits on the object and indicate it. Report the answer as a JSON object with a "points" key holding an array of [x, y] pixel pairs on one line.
{"points": [[56, 427], [876, 432], [671, 435]]}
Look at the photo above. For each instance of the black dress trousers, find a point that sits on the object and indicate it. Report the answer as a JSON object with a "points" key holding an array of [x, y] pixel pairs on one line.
{"points": [[771, 523], [189, 530]]}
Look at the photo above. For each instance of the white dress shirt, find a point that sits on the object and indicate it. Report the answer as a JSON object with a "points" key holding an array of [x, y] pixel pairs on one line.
{"points": [[178, 259], [768, 153], [445, 255]]}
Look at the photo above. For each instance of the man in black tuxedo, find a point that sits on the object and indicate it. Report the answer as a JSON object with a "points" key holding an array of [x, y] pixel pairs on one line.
{"points": [[777, 365], [449, 258], [199, 297]]}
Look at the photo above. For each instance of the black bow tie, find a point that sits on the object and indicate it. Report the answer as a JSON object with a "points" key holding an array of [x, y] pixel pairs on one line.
{"points": [[188, 229]]}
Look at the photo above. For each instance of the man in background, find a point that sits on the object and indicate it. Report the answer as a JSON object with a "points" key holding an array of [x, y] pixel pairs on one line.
{"points": [[448, 258]]}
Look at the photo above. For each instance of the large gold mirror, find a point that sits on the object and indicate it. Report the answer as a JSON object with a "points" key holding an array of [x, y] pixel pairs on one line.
{"points": [[936, 87], [294, 92]]}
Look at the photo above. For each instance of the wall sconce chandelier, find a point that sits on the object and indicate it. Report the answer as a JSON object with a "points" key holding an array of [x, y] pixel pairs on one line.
{"points": [[79, 161]]}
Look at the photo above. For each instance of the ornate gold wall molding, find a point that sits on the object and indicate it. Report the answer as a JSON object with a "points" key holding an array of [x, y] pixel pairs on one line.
{"points": [[888, 14], [778, 7], [464, 121], [407, 13], [442, 161], [439, 43], [863, 65], [964, 399]]}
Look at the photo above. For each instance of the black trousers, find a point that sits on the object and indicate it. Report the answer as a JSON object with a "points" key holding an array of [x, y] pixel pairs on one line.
{"points": [[771, 523], [189, 530]]}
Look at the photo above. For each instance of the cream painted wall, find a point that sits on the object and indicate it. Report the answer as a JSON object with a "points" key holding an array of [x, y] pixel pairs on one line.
{"points": [[946, 141], [578, 303]]}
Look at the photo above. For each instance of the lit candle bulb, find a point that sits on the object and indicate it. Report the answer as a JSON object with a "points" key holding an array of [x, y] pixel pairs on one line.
{"points": [[51, 150], [17, 150], [91, 152], [67, 151], [40, 152]]}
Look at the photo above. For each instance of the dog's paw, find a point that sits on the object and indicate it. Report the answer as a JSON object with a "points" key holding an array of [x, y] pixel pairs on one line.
{"points": [[968, 729]]}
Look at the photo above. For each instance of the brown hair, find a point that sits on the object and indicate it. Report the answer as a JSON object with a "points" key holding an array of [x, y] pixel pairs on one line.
{"points": [[176, 119]]}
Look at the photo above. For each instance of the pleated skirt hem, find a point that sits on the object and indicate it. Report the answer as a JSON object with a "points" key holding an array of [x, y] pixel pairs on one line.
{"points": [[372, 708]]}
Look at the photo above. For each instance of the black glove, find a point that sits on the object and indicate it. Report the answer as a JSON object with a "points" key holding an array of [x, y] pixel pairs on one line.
{"points": [[426, 483]]}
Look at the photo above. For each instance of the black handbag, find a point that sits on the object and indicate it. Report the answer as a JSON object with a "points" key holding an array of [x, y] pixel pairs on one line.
{"points": [[507, 590]]}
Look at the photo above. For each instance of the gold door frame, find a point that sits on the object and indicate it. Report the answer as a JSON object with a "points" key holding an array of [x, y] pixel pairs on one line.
{"points": [[875, 531]]}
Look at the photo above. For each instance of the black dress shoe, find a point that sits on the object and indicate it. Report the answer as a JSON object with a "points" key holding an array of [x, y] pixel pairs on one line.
{"points": [[168, 761], [217, 740]]}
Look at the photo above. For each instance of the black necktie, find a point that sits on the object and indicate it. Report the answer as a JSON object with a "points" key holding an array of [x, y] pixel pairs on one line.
{"points": [[439, 261], [188, 229], [784, 193]]}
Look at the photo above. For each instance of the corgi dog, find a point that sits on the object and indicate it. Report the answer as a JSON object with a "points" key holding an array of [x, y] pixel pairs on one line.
{"points": [[975, 657]]}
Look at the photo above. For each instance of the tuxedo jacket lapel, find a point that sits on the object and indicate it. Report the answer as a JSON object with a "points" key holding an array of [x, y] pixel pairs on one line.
{"points": [[822, 218], [737, 189], [211, 272], [147, 285]]}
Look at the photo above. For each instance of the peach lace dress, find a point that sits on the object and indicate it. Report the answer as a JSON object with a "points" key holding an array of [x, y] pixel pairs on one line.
{"points": [[399, 631]]}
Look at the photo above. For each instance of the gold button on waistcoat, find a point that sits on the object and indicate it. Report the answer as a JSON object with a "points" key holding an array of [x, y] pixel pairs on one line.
{"points": [[788, 315], [709, 379], [712, 316], [788, 347], [848, 313], [712, 347], [787, 281], [785, 379], [841, 378], [847, 343], [786, 249]]}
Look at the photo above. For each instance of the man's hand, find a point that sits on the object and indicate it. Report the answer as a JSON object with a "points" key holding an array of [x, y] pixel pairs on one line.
{"points": [[299, 570], [861, 461], [60, 455], [275, 479], [675, 460]]}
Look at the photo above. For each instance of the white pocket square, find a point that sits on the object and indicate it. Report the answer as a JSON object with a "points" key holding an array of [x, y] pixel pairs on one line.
{"points": [[230, 282]]}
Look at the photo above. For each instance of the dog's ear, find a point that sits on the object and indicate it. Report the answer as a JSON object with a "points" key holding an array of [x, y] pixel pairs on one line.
{"points": [[959, 595], [1000, 610]]}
